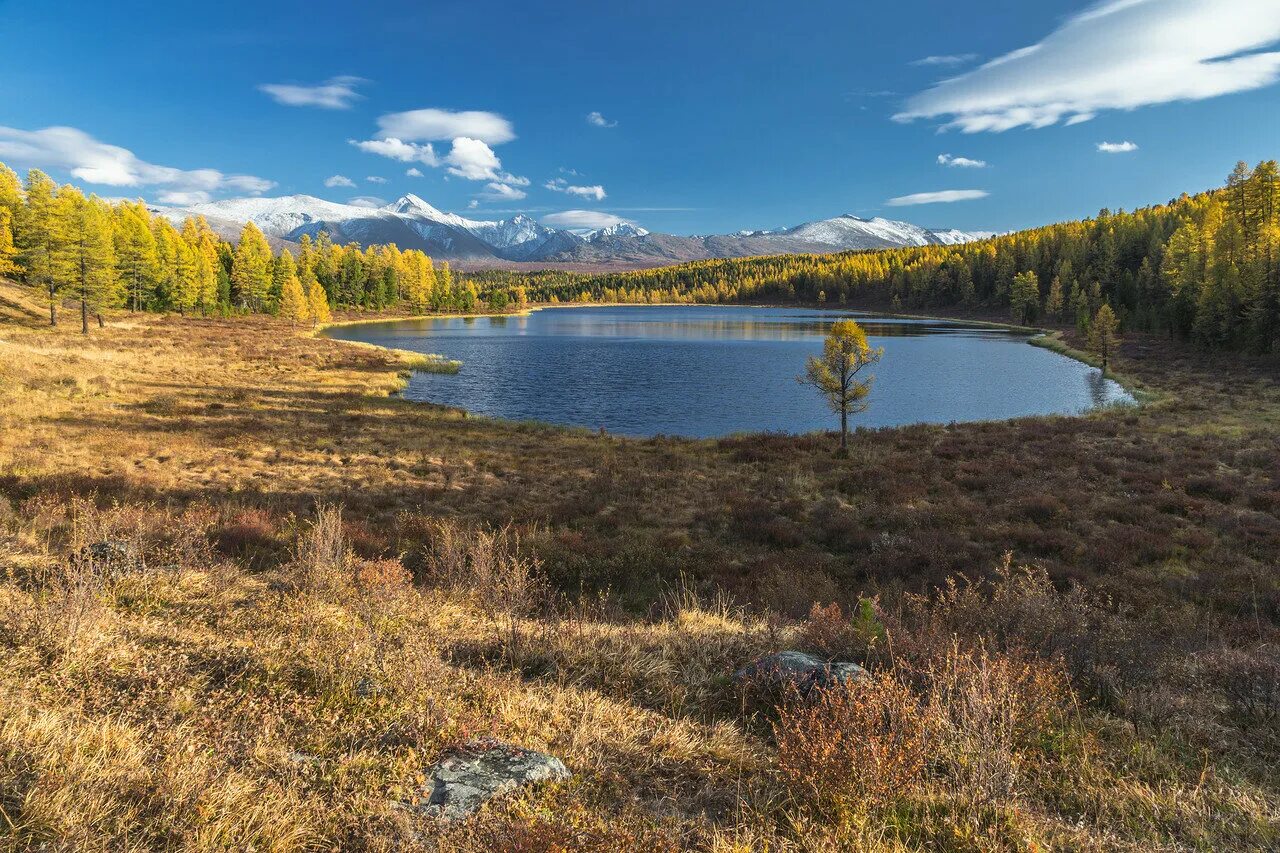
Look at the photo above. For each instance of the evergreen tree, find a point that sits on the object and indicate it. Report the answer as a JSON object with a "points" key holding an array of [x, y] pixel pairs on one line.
{"points": [[251, 269], [1054, 301], [1024, 296]]}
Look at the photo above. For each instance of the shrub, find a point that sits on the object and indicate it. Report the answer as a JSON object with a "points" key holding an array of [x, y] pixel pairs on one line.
{"points": [[849, 750]]}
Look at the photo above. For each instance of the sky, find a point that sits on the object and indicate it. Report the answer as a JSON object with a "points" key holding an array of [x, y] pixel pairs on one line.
{"points": [[683, 117]]}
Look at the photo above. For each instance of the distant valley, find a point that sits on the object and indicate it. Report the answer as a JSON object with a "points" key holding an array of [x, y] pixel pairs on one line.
{"points": [[412, 223]]}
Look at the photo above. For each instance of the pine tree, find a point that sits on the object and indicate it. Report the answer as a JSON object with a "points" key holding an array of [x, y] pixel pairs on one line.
{"points": [[91, 254], [251, 269], [42, 237], [293, 302]]}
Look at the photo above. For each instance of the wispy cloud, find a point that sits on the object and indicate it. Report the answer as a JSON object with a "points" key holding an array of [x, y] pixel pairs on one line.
{"points": [[1117, 147], [598, 120], [366, 201], [582, 219], [1115, 55], [960, 162], [947, 60], [560, 185], [339, 181], [941, 197], [99, 163], [337, 93], [497, 191], [436, 125], [374, 179]]}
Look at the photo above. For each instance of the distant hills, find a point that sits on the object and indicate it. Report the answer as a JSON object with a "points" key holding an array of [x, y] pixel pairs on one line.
{"points": [[412, 223]]}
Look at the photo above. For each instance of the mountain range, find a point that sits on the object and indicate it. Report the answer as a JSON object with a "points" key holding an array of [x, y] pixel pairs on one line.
{"points": [[412, 223]]}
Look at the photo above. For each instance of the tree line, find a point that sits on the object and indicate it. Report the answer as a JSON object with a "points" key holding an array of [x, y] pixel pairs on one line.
{"points": [[119, 254], [1205, 268]]}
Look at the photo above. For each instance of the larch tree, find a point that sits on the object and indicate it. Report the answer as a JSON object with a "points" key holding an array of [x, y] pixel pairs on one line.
{"points": [[293, 302], [136, 257], [10, 192], [1104, 335], [845, 354], [251, 268], [42, 240], [8, 251], [1054, 301], [316, 299], [1024, 296], [91, 254]]}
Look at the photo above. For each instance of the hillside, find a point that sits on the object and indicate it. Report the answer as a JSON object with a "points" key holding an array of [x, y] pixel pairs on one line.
{"points": [[257, 671]]}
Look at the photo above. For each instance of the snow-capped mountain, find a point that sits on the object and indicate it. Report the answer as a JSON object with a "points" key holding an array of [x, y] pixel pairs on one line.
{"points": [[412, 223]]}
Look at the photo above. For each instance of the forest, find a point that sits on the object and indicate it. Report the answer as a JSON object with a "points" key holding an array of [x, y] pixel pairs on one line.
{"points": [[1204, 268], [106, 255]]}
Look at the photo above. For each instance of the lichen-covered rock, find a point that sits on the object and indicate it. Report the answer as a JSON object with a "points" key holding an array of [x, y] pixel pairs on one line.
{"points": [[802, 671], [110, 558], [461, 783]]}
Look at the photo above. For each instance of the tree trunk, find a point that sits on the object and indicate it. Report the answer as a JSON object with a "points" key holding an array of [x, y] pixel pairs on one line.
{"points": [[84, 316], [844, 432], [53, 311], [102, 324]]}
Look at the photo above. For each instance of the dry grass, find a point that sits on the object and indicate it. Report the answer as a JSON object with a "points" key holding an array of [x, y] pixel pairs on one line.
{"points": [[334, 586]]}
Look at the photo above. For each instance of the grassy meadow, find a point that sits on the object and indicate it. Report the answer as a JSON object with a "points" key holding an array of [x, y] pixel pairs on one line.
{"points": [[1071, 622]]}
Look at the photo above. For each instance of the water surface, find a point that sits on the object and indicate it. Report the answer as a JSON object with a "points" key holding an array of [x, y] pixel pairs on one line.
{"points": [[715, 370]]}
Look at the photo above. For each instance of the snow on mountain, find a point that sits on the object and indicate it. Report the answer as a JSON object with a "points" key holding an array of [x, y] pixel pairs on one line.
{"points": [[412, 223]]}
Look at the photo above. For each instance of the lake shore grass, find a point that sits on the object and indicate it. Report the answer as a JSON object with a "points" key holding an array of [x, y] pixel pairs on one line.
{"points": [[1108, 685]]}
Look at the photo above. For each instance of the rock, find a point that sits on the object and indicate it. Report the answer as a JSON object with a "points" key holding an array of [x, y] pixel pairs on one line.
{"points": [[461, 783], [110, 558], [797, 669]]}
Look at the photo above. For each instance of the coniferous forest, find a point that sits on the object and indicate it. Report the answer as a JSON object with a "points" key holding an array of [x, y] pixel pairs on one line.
{"points": [[1204, 268]]}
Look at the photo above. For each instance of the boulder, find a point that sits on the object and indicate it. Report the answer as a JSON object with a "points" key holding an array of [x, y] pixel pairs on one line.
{"points": [[459, 784], [802, 671], [110, 558]]}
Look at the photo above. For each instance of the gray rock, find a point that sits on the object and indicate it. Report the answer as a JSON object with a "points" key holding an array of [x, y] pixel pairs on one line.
{"points": [[461, 783], [110, 558], [799, 670]]}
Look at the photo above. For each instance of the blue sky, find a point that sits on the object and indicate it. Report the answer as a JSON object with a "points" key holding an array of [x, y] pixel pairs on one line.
{"points": [[715, 116]]}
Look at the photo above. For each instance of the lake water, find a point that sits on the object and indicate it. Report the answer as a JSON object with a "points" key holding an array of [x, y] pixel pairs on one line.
{"points": [[714, 370]]}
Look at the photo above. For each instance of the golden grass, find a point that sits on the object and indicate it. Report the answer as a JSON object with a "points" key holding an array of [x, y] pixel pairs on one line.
{"points": [[339, 585]]}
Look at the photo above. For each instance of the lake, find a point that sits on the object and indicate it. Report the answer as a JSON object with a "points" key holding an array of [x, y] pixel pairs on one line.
{"points": [[714, 370]]}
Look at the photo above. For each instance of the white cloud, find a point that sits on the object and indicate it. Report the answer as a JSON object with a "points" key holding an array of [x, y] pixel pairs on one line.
{"points": [[1117, 54], [366, 201], [339, 181], [943, 197], [337, 93], [595, 118], [433, 125], [1117, 147], [473, 204], [947, 60], [473, 160], [413, 172], [560, 185], [405, 152], [960, 162], [496, 191], [582, 219], [99, 163], [184, 198], [374, 179]]}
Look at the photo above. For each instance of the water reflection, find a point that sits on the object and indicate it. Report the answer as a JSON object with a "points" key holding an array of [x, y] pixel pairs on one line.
{"points": [[706, 371]]}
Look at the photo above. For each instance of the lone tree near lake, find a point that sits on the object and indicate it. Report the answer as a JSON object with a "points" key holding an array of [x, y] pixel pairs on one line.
{"points": [[845, 353], [1104, 335]]}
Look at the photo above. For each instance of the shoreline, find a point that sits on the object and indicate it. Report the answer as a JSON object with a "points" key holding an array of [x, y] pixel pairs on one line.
{"points": [[1040, 337]]}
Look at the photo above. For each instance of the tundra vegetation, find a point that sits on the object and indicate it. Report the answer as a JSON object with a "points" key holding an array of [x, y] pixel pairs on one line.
{"points": [[247, 598]]}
